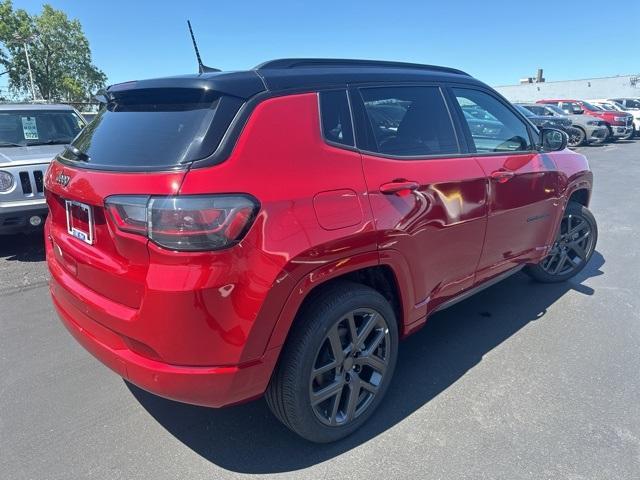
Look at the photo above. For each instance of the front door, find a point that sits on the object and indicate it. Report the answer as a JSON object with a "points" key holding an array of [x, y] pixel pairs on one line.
{"points": [[428, 201], [523, 183]]}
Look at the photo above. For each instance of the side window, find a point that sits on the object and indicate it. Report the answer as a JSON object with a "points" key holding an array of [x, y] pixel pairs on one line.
{"points": [[540, 111], [336, 117], [408, 121], [570, 107], [494, 127]]}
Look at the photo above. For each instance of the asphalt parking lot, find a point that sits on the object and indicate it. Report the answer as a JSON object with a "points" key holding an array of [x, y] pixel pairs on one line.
{"points": [[521, 381]]}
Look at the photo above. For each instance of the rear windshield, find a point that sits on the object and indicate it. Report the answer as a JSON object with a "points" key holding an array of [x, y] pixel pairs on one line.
{"points": [[155, 129], [38, 127]]}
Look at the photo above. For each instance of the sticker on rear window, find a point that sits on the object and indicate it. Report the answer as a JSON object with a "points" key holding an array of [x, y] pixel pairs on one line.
{"points": [[29, 128]]}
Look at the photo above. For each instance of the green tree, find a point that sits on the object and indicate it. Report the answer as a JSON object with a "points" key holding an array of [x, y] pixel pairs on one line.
{"points": [[59, 54], [2, 72]]}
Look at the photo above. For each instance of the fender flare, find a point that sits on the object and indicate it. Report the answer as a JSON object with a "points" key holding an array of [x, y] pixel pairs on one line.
{"points": [[581, 181], [338, 268]]}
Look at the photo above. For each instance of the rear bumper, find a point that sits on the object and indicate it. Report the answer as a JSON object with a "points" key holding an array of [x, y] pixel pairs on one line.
{"points": [[207, 386]]}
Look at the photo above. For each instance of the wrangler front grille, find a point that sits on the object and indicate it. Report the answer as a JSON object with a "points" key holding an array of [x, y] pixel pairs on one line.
{"points": [[32, 182]]}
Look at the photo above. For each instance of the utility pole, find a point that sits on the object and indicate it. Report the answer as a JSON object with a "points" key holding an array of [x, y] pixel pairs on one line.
{"points": [[25, 41]]}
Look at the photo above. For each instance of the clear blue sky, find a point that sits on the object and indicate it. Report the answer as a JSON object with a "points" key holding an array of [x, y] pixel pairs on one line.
{"points": [[496, 41]]}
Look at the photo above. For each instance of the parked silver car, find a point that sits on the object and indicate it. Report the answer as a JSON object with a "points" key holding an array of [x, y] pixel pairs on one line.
{"points": [[592, 130], [31, 135]]}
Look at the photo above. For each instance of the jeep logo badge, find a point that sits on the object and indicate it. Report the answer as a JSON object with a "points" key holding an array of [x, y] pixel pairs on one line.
{"points": [[63, 179]]}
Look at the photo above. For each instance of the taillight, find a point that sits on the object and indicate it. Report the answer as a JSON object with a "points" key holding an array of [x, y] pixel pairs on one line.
{"points": [[187, 223], [129, 212]]}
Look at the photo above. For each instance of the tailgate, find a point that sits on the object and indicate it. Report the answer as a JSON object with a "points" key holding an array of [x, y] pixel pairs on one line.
{"points": [[84, 238]]}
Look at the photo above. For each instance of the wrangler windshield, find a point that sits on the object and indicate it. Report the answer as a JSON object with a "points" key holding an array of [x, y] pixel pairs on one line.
{"points": [[38, 127]]}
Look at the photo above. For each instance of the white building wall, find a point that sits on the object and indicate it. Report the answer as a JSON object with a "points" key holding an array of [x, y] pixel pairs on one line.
{"points": [[607, 87]]}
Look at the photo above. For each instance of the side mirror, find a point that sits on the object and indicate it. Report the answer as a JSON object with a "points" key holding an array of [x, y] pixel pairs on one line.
{"points": [[578, 112], [553, 140], [102, 96]]}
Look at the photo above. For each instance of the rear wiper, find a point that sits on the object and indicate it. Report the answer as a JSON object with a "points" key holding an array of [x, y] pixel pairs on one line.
{"points": [[79, 154]]}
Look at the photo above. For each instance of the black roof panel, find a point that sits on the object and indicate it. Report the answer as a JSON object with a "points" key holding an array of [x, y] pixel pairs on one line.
{"points": [[301, 74]]}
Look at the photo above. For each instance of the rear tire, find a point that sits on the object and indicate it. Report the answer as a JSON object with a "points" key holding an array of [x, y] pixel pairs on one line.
{"points": [[573, 248], [337, 363]]}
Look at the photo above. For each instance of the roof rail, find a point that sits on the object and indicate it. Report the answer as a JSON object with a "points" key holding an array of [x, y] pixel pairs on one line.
{"points": [[287, 63]]}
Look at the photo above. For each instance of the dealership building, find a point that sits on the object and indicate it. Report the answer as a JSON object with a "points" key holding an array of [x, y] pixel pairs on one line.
{"points": [[536, 88]]}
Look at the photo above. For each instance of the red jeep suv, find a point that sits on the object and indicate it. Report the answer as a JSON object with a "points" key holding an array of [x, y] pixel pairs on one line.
{"points": [[217, 236]]}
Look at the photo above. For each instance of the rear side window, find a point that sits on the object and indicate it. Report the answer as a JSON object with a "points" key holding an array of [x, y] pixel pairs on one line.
{"points": [[493, 126], [408, 121], [336, 117], [538, 110], [571, 107], [156, 128]]}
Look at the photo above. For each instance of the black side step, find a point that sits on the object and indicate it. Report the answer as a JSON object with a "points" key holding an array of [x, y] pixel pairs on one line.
{"points": [[478, 288]]}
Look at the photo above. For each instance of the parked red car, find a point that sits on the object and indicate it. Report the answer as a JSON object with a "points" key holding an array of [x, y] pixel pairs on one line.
{"points": [[620, 124], [214, 237]]}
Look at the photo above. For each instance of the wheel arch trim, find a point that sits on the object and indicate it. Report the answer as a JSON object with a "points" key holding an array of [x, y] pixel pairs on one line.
{"points": [[581, 181], [337, 269]]}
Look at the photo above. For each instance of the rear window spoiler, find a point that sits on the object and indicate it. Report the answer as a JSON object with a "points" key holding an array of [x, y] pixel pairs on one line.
{"points": [[237, 84]]}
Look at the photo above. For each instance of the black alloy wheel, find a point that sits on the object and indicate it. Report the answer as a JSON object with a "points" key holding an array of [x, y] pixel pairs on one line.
{"points": [[574, 246], [349, 367], [337, 363]]}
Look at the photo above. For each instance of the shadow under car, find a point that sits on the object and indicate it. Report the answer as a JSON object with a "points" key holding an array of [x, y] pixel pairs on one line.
{"points": [[451, 343]]}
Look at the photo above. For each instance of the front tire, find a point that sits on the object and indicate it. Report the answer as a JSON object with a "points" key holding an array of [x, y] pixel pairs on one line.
{"points": [[573, 248], [577, 137], [337, 363]]}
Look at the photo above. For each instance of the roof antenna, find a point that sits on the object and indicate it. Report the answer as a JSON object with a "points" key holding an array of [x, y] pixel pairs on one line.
{"points": [[202, 68]]}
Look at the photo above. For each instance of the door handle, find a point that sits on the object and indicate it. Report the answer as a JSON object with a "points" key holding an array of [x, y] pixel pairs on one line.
{"points": [[399, 187], [502, 176]]}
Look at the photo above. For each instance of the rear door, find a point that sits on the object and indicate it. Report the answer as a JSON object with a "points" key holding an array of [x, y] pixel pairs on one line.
{"points": [[523, 183], [429, 202]]}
